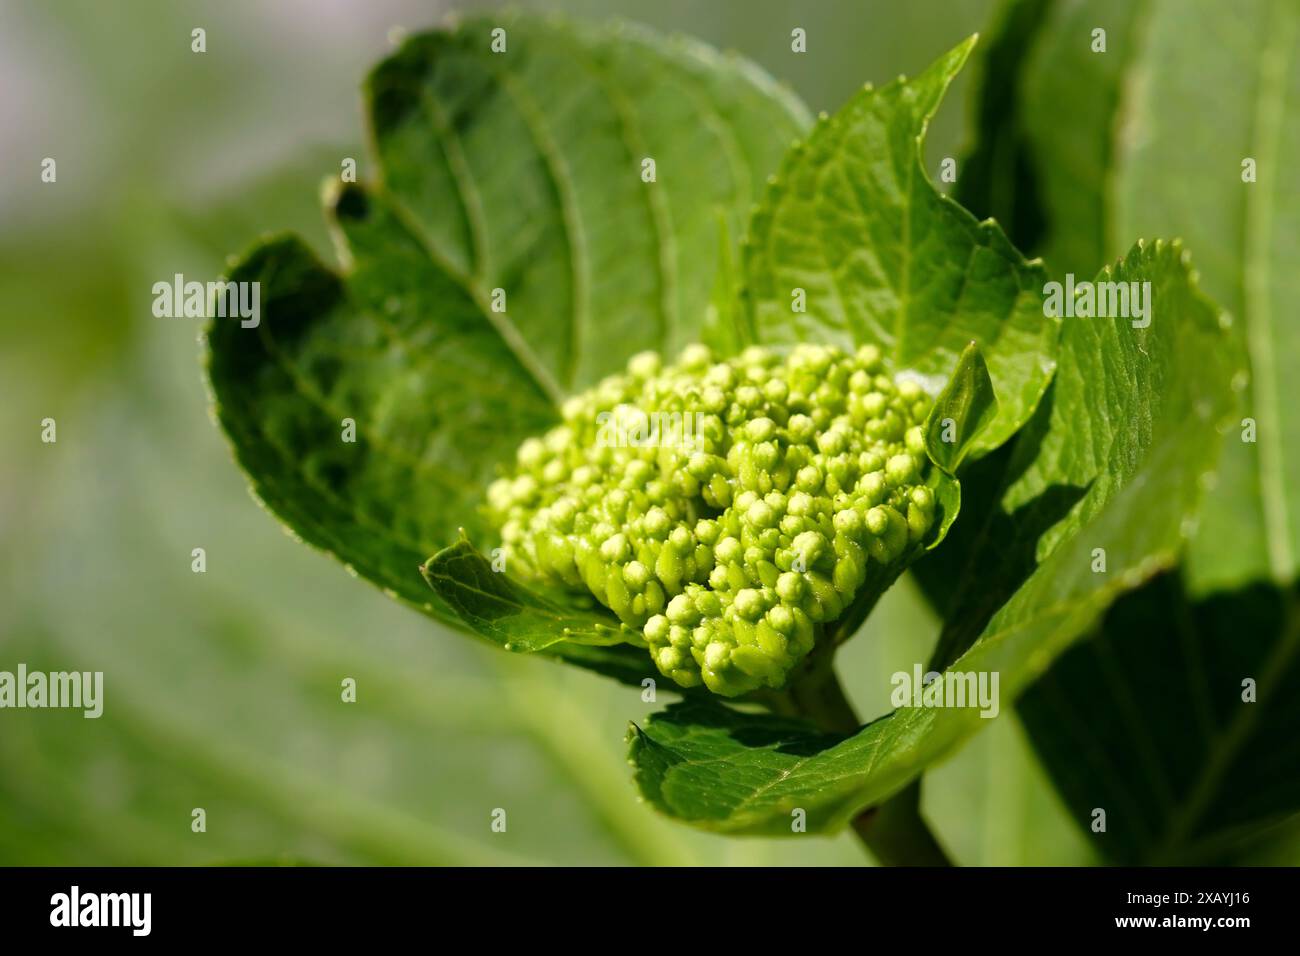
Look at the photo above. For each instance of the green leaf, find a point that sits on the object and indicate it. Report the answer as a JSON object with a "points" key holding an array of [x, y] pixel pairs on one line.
{"points": [[507, 253], [1131, 431], [997, 178], [1138, 159], [1072, 161], [853, 220], [1185, 176], [1189, 772], [724, 329], [507, 613], [964, 409], [1002, 177], [735, 772]]}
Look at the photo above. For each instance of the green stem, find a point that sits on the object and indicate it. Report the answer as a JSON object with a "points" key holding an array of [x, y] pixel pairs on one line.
{"points": [[897, 834], [894, 832]]}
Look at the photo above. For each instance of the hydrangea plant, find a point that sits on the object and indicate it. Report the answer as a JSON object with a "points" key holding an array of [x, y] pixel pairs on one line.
{"points": [[650, 373], [721, 547]]}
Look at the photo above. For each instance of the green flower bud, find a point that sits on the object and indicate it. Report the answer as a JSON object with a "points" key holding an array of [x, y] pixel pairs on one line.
{"points": [[617, 597], [723, 552], [656, 629], [616, 549], [849, 574], [644, 365], [655, 598], [918, 523], [782, 619], [790, 587], [831, 442], [900, 470], [800, 504], [800, 429], [706, 602], [760, 429], [760, 514], [718, 494], [909, 390], [809, 479], [696, 357], [776, 391], [889, 531], [636, 574], [874, 405], [749, 604], [681, 610], [869, 357], [657, 523], [810, 545], [791, 525], [848, 522], [728, 551]]}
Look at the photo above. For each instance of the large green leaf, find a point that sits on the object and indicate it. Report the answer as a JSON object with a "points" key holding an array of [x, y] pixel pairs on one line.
{"points": [[1072, 161], [997, 178], [1178, 173], [507, 180], [1139, 157], [882, 257], [1188, 761], [1131, 429], [1051, 208], [1155, 166], [441, 734]]}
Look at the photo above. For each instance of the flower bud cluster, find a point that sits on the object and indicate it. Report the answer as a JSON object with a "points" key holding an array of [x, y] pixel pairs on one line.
{"points": [[727, 541]]}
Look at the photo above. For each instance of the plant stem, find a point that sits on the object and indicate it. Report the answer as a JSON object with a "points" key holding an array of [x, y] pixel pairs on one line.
{"points": [[817, 695], [897, 834], [894, 832]]}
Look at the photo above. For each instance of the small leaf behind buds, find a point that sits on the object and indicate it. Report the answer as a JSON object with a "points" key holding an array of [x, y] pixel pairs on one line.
{"points": [[964, 409]]}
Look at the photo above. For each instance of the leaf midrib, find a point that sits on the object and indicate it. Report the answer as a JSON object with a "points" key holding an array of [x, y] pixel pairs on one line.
{"points": [[467, 191]]}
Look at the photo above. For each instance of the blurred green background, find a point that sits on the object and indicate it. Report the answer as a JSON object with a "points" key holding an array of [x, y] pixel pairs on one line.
{"points": [[222, 688]]}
